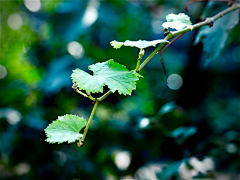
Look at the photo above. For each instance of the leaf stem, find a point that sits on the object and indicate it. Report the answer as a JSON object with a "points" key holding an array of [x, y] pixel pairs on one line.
{"points": [[152, 55], [85, 95], [89, 122], [105, 95], [141, 53]]}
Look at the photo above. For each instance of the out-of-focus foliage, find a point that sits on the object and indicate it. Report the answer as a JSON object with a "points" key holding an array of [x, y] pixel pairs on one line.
{"points": [[214, 39], [192, 131]]}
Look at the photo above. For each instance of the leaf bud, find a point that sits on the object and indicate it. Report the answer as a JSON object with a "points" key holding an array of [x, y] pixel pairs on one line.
{"points": [[165, 29], [141, 53], [210, 24], [74, 86], [230, 3]]}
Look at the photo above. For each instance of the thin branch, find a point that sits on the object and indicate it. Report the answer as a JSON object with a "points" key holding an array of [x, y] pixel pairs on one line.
{"points": [[208, 20], [85, 95], [193, 1], [141, 53], [195, 26], [81, 140], [162, 61], [105, 95], [176, 33], [152, 54]]}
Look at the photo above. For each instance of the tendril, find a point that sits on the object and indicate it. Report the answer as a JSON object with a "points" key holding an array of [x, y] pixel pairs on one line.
{"points": [[193, 1], [162, 60]]}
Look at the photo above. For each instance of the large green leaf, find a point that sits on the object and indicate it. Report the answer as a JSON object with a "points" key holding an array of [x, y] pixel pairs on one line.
{"points": [[116, 76], [178, 22], [139, 44], [65, 129], [214, 38]]}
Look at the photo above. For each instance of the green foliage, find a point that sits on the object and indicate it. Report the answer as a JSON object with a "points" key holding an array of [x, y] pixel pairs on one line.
{"points": [[178, 22], [170, 171], [37, 89], [139, 44], [116, 76], [65, 129], [182, 133]]}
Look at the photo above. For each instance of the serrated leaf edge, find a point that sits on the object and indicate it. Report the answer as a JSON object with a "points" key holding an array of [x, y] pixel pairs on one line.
{"points": [[125, 43], [104, 84], [59, 142]]}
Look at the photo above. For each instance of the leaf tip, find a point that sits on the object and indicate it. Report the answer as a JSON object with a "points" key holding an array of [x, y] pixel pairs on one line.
{"points": [[116, 44]]}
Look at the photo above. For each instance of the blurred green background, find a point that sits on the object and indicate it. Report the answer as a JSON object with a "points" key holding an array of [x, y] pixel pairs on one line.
{"points": [[158, 132]]}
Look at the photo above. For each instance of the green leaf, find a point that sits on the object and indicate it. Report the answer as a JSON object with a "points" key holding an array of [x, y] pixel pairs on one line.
{"points": [[65, 129], [116, 44], [139, 44], [116, 76], [178, 22], [214, 39]]}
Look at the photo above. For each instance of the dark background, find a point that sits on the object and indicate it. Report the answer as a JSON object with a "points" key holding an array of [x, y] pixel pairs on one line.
{"points": [[155, 133]]}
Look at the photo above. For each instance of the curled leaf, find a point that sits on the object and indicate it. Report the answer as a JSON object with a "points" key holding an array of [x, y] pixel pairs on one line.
{"points": [[139, 44], [178, 22]]}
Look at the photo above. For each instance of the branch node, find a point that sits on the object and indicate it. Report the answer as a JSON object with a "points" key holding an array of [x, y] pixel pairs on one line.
{"points": [[165, 29], [230, 3], [210, 24], [80, 143], [74, 86], [203, 20]]}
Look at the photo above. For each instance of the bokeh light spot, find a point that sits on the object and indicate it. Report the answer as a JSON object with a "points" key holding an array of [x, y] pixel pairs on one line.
{"points": [[13, 116], [75, 49], [122, 159], [144, 123], [60, 157], [231, 148], [15, 21], [157, 26], [22, 168], [32, 5], [90, 16], [174, 81], [3, 72]]}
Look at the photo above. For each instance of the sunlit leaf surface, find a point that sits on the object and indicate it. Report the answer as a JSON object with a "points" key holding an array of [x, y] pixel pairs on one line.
{"points": [[116, 76], [139, 44], [178, 22], [65, 129]]}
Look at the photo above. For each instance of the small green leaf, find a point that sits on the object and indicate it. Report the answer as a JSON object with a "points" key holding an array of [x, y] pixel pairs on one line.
{"points": [[139, 44], [116, 76], [116, 44], [65, 129], [178, 22]]}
